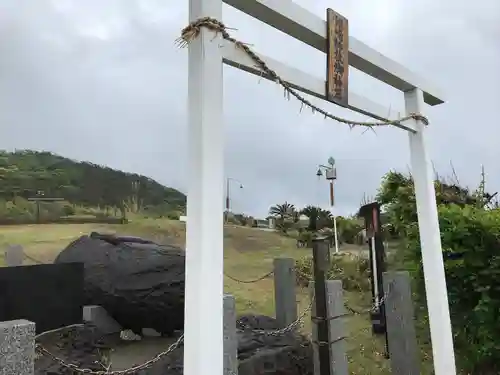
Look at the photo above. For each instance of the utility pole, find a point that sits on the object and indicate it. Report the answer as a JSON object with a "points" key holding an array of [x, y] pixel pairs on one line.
{"points": [[331, 176], [41, 198], [228, 200]]}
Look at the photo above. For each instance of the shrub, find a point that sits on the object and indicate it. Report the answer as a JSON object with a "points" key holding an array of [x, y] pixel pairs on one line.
{"points": [[306, 237], [471, 247], [354, 271], [348, 229], [173, 215], [68, 210]]}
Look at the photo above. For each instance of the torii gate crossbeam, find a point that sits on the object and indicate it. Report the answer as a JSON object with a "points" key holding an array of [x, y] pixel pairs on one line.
{"points": [[203, 349]]}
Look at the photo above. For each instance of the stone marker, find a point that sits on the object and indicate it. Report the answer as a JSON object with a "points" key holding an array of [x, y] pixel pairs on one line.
{"points": [[17, 347], [14, 255]]}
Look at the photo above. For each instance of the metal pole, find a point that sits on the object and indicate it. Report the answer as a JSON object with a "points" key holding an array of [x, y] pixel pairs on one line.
{"points": [[332, 203], [335, 234], [227, 201], [321, 260]]}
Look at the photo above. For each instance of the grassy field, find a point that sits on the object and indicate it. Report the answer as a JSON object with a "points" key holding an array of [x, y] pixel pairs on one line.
{"points": [[248, 254]]}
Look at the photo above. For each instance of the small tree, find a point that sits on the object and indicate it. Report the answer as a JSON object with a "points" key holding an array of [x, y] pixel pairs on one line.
{"points": [[285, 215], [318, 218]]}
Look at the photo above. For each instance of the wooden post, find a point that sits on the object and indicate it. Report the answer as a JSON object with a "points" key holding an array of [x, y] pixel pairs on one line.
{"points": [[285, 298], [402, 340], [336, 327], [321, 260]]}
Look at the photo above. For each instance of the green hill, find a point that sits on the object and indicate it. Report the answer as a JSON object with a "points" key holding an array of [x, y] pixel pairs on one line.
{"points": [[27, 174]]}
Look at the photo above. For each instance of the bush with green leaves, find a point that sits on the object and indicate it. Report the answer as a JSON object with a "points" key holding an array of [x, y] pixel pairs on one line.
{"points": [[306, 237], [471, 249], [354, 271], [68, 210], [348, 229]]}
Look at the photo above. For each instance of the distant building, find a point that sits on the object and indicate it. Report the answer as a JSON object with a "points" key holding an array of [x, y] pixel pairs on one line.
{"points": [[183, 218], [262, 223]]}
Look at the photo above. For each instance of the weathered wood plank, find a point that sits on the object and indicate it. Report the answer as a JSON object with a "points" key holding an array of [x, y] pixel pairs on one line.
{"points": [[337, 54]]}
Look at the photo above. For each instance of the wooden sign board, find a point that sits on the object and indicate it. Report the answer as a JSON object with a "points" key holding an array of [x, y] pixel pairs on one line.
{"points": [[337, 52]]}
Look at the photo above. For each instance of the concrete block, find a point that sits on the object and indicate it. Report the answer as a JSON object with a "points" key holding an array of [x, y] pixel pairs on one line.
{"points": [[14, 255], [17, 347], [99, 317]]}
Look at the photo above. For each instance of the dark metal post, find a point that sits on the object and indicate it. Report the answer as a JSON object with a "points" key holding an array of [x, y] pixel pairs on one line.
{"points": [[373, 227], [226, 214], [321, 260], [371, 214]]}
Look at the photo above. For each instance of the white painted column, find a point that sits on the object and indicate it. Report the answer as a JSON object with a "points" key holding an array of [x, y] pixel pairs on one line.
{"points": [[203, 323], [430, 239], [335, 235]]}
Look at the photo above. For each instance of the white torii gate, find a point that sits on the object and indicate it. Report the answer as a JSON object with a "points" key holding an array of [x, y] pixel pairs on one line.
{"points": [[203, 348]]}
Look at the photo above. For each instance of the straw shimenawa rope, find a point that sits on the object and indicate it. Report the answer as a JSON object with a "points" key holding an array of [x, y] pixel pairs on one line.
{"points": [[192, 31]]}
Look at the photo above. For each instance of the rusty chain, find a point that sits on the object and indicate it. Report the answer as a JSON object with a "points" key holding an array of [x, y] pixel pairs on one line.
{"points": [[265, 276], [191, 32], [41, 350], [34, 260], [375, 306], [282, 331]]}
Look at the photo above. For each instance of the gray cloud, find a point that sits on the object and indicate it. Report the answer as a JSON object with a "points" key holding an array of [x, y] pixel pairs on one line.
{"points": [[103, 81]]}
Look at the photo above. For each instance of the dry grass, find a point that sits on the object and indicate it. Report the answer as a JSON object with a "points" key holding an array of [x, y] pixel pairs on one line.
{"points": [[248, 253]]}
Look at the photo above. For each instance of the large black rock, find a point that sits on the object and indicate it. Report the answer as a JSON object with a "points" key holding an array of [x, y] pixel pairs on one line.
{"points": [[261, 353], [139, 283]]}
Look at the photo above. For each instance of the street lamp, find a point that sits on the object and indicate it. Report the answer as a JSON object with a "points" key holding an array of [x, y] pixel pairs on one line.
{"points": [[228, 200], [330, 175]]}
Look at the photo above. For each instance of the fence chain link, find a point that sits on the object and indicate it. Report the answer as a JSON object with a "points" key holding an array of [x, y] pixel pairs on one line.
{"points": [[374, 307], [43, 351], [34, 260], [282, 331], [250, 281]]}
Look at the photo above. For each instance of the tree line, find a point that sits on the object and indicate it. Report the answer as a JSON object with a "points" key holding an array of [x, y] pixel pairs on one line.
{"points": [[29, 174], [287, 218]]}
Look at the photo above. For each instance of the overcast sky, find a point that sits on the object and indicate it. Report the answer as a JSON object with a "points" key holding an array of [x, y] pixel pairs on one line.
{"points": [[102, 80]]}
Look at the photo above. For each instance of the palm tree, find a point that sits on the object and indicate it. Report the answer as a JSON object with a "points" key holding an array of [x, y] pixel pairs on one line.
{"points": [[312, 213], [285, 215], [325, 218], [318, 217], [282, 211]]}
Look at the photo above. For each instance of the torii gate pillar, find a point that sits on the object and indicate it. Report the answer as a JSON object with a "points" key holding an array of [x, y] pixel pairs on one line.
{"points": [[203, 325], [430, 242]]}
